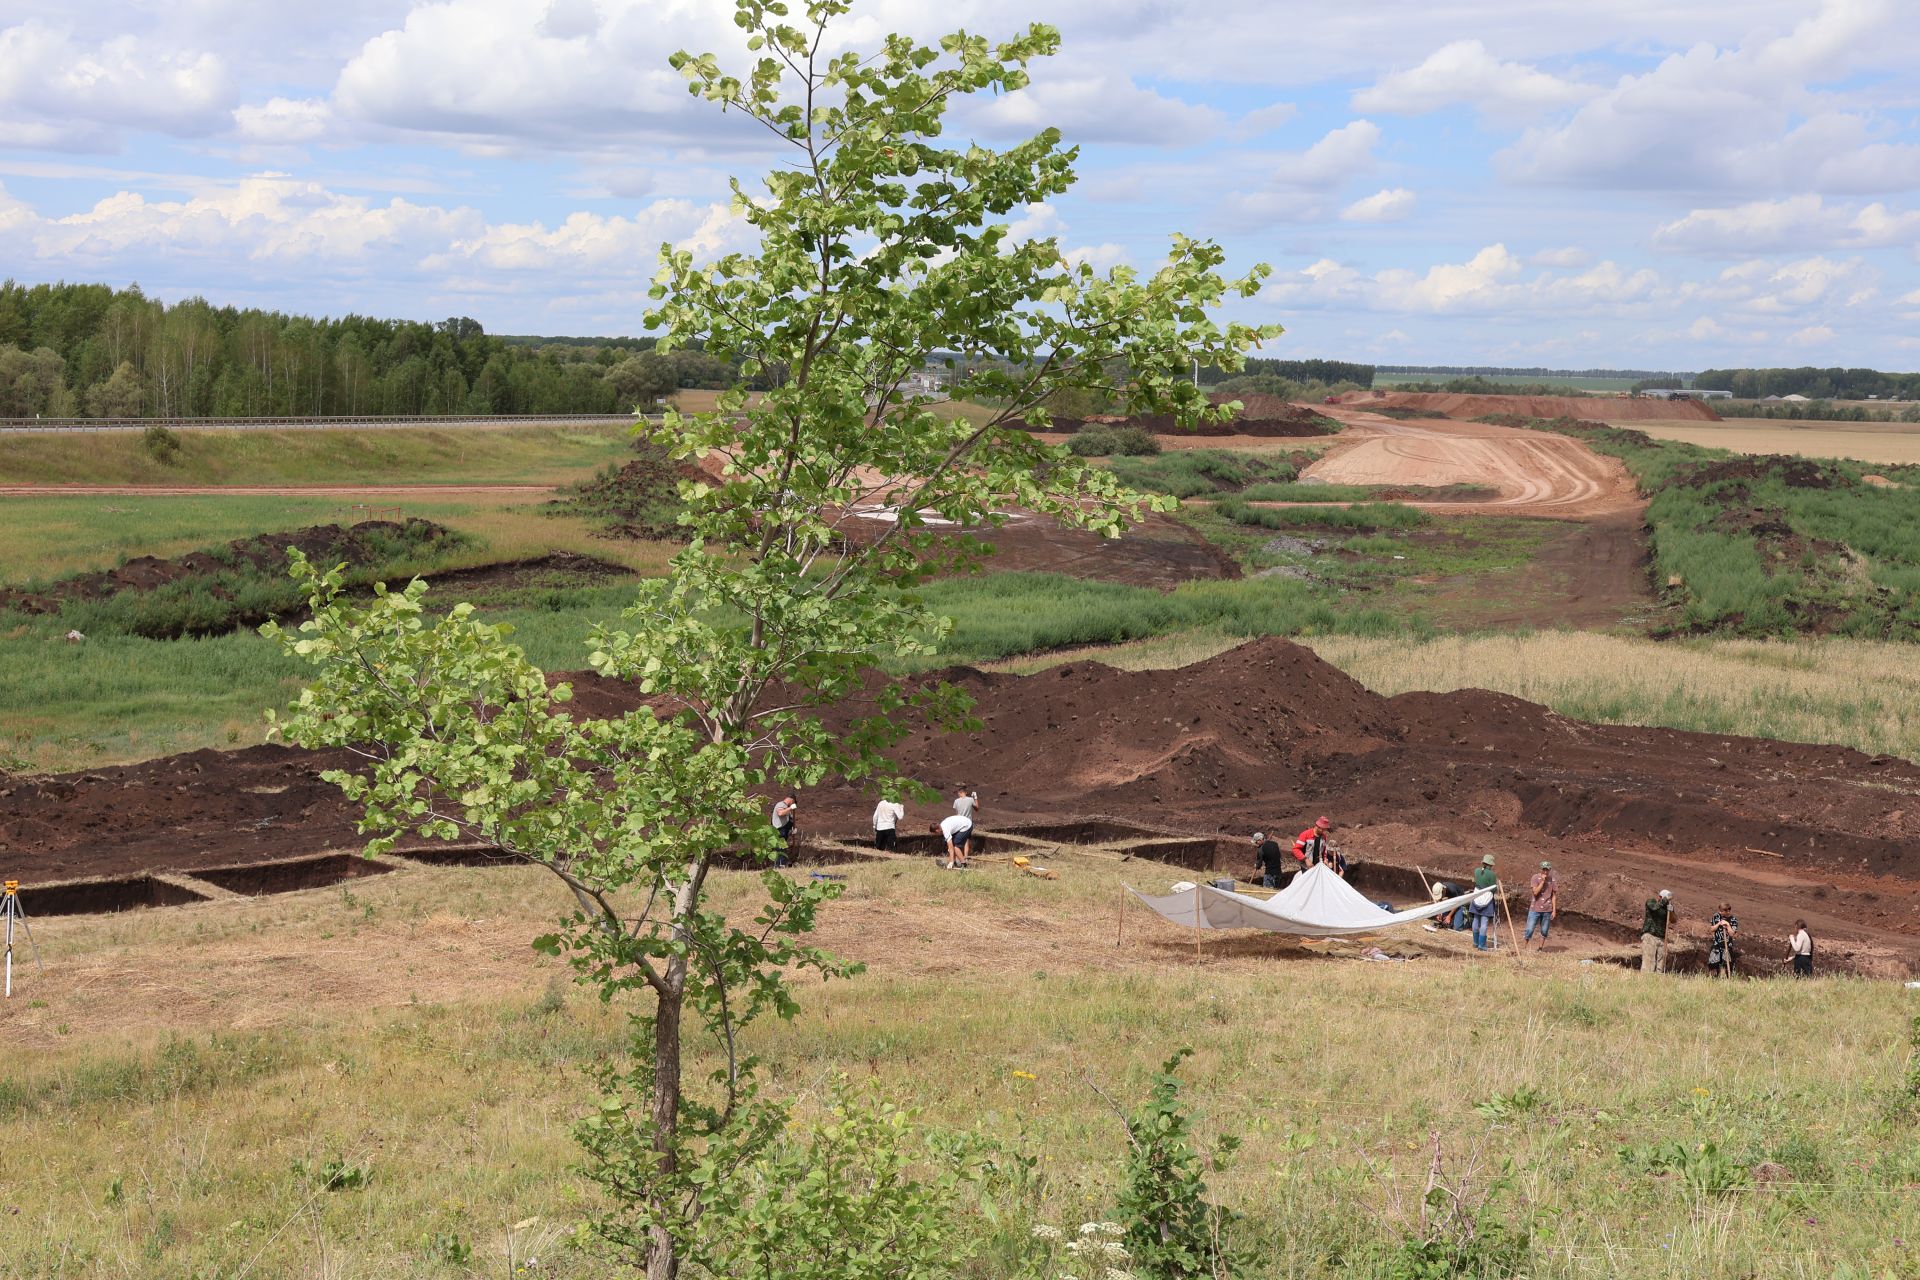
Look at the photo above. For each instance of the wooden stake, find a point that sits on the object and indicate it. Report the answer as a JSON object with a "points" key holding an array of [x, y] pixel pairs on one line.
{"points": [[1424, 884], [1120, 922], [1512, 932]]}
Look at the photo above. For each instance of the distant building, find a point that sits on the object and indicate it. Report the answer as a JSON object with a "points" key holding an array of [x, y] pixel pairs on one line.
{"points": [[1685, 393], [1794, 399]]}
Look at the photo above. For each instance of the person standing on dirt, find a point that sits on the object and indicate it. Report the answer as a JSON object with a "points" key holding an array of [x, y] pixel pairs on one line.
{"points": [[1269, 860], [1487, 881], [957, 831], [785, 811], [887, 817], [966, 803], [1653, 931], [1801, 944], [1720, 950], [1544, 905]]}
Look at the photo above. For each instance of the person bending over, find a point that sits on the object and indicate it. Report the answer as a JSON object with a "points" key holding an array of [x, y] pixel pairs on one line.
{"points": [[958, 833]]}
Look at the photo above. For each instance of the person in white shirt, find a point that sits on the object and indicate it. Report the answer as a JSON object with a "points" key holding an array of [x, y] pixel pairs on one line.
{"points": [[957, 832], [887, 817], [1802, 944], [784, 814]]}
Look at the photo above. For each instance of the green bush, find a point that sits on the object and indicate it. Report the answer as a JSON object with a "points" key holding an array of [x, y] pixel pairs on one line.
{"points": [[161, 444], [1172, 1231], [1192, 473], [1106, 442], [1365, 515]]}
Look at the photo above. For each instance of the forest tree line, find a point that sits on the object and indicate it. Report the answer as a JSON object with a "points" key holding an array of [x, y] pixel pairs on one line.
{"points": [[83, 350], [1815, 384]]}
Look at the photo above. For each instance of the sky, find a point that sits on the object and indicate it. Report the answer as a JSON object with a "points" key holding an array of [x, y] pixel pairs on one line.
{"points": [[1655, 184]]}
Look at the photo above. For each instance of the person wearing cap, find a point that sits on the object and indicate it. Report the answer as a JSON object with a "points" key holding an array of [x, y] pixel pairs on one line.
{"points": [[1268, 859], [1485, 880], [1311, 849], [1660, 916], [1545, 904]]}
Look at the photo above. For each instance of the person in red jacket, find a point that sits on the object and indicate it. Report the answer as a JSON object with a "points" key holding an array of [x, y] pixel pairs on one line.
{"points": [[1312, 849]]}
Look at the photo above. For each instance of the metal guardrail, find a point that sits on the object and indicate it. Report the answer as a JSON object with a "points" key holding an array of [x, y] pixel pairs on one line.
{"points": [[61, 426]]}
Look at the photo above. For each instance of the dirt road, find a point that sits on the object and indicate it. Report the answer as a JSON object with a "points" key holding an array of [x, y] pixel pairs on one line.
{"points": [[268, 491], [1536, 473]]}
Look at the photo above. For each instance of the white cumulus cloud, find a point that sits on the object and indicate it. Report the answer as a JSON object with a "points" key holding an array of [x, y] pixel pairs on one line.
{"points": [[282, 120], [1797, 222], [56, 86], [1463, 72], [1390, 205]]}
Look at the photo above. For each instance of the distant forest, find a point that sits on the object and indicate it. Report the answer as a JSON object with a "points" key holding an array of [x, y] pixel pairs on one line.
{"points": [[82, 350], [1484, 370], [1815, 384]]}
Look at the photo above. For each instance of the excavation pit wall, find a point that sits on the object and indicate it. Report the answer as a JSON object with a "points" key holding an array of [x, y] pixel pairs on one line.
{"points": [[288, 875], [102, 897]]}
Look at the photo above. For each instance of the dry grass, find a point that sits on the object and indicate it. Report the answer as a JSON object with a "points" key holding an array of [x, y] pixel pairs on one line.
{"points": [[170, 1069], [1862, 694], [1882, 442]]}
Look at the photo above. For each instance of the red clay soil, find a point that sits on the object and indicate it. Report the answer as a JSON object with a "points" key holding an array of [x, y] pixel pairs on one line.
{"points": [[1467, 408], [1267, 736]]}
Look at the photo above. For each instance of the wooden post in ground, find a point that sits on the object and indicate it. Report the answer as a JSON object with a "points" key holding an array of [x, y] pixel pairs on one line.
{"points": [[1512, 932], [1120, 921]]}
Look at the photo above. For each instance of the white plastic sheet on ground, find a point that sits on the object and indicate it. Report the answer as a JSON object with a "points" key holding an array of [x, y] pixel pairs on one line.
{"points": [[1317, 904]]}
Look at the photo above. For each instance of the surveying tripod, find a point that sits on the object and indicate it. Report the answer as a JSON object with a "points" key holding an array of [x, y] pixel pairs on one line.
{"points": [[11, 909]]}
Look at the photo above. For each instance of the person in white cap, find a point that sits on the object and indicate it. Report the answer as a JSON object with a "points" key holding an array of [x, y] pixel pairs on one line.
{"points": [[1485, 903], [1269, 860], [1653, 932]]}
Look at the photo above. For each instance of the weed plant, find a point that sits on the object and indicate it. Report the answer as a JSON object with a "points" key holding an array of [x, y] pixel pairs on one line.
{"points": [[1194, 473]]}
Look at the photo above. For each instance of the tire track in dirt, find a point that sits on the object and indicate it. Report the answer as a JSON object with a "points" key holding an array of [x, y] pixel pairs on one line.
{"points": [[1536, 474]]}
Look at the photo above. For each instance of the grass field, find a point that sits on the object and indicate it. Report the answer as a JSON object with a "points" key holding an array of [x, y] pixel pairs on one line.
{"points": [[465, 455], [177, 1077], [1881, 442]]}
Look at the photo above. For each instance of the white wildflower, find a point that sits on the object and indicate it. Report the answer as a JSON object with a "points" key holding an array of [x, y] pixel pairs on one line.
{"points": [[1114, 1273], [1092, 1228], [1046, 1231], [1114, 1249]]}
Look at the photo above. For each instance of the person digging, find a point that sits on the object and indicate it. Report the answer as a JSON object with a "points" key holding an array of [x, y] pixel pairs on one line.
{"points": [[1720, 952], [1269, 860], [958, 833]]}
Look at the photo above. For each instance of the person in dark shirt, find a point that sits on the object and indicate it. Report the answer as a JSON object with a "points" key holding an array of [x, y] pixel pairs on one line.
{"points": [[1269, 859], [1720, 949], [1660, 916]]}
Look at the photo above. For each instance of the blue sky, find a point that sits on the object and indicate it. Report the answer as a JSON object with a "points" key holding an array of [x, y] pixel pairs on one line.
{"points": [[1666, 184]]}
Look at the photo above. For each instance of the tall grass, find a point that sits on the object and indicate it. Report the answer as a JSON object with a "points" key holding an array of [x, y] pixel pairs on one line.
{"points": [[161, 1142], [1366, 515], [1193, 473], [401, 455]]}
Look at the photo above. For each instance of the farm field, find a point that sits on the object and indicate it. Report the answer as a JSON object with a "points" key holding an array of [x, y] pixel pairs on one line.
{"points": [[181, 1077], [1890, 443]]}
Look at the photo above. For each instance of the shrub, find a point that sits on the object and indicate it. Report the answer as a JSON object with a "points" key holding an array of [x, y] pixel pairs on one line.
{"points": [[162, 444], [1172, 1231], [1105, 441]]}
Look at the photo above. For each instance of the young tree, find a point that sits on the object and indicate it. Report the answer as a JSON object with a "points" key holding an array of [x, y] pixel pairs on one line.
{"points": [[879, 247]]}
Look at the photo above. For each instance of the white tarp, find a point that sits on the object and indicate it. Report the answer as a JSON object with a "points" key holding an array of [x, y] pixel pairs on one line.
{"points": [[1317, 904]]}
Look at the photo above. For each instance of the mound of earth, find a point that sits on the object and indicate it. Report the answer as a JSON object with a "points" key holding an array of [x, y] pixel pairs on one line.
{"points": [[1468, 407], [369, 542], [1265, 729], [1793, 472], [1260, 415], [641, 499]]}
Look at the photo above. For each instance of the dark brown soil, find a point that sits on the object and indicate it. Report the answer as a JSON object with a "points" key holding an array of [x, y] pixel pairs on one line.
{"points": [[1264, 736], [640, 500], [266, 554], [1259, 416], [1793, 472], [1468, 407]]}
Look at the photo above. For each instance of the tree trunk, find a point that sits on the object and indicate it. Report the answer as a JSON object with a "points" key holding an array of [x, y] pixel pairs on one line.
{"points": [[663, 1255]]}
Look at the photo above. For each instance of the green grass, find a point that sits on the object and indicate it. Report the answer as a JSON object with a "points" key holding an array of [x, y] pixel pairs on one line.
{"points": [[1371, 515], [1194, 473], [1849, 564], [173, 1147], [471, 455]]}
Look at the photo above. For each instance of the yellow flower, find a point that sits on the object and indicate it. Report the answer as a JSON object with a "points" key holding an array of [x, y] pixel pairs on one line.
{"points": [[1702, 1093], [1025, 1075]]}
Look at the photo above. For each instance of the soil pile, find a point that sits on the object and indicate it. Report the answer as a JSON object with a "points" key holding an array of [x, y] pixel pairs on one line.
{"points": [[1259, 415], [1467, 407], [1793, 472], [367, 543], [1264, 730], [640, 499]]}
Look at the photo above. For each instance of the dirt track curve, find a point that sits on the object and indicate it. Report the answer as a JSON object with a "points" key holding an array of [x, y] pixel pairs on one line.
{"points": [[1536, 473]]}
